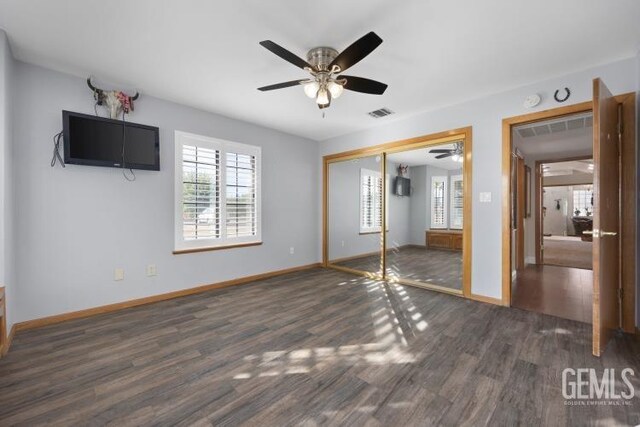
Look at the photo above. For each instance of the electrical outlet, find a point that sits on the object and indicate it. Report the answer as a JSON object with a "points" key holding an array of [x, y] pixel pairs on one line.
{"points": [[485, 197], [151, 270], [118, 274], [292, 250]]}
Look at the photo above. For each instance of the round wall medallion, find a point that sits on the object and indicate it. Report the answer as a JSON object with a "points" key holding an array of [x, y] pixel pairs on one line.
{"points": [[532, 100]]}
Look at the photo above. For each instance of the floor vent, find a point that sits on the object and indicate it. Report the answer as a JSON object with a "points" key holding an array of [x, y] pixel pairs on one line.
{"points": [[380, 113]]}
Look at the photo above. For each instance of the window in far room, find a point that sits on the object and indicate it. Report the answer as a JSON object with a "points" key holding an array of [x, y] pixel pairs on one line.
{"points": [[439, 202], [582, 202], [217, 193]]}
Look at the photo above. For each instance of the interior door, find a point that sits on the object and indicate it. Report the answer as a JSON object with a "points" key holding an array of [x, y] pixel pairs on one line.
{"points": [[606, 271]]}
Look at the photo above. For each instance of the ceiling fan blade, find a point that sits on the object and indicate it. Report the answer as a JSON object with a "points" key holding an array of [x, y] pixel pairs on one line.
{"points": [[442, 156], [357, 51], [285, 54], [282, 85], [360, 84], [440, 150]]}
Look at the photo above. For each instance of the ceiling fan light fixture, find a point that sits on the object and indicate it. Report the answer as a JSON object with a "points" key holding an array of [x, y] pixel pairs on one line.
{"points": [[311, 89], [324, 64], [323, 96], [335, 89]]}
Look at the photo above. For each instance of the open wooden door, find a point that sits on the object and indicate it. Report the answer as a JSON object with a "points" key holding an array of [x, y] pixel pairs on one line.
{"points": [[606, 212]]}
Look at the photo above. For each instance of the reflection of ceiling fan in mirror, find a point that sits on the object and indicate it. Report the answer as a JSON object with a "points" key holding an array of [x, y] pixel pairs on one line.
{"points": [[456, 153]]}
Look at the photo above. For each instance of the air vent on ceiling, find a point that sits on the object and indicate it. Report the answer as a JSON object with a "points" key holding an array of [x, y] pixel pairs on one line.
{"points": [[380, 113]]}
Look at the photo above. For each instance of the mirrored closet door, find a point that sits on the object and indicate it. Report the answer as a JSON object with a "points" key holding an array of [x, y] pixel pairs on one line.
{"points": [[420, 189], [424, 241], [354, 214]]}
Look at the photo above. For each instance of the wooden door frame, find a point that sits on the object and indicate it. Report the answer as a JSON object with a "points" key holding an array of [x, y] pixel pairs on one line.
{"points": [[539, 184], [460, 134], [628, 208], [520, 182]]}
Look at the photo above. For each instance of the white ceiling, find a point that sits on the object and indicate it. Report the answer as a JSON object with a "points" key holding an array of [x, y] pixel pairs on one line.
{"points": [[556, 143], [206, 53], [423, 157], [568, 168]]}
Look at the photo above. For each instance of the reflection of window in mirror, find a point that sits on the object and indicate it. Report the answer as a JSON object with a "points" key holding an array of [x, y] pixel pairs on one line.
{"points": [[457, 198], [370, 201], [439, 202]]}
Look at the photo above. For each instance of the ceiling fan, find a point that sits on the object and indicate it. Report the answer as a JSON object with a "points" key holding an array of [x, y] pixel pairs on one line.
{"points": [[325, 65], [456, 153]]}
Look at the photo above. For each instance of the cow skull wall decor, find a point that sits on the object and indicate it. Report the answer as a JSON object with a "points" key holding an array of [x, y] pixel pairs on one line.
{"points": [[115, 101]]}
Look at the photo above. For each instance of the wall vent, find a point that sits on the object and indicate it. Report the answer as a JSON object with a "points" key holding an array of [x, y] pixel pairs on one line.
{"points": [[380, 113], [556, 126]]}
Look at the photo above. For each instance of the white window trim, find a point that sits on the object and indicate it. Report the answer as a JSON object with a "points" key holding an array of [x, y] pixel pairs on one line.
{"points": [[185, 138], [377, 174], [445, 215], [452, 223]]}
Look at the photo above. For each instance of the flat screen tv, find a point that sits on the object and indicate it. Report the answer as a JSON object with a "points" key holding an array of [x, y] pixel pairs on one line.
{"points": [[402, 186], [98, 141]]}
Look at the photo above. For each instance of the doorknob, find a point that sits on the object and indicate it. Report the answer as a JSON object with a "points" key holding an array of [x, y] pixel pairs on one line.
{"points": [[608, 233]]}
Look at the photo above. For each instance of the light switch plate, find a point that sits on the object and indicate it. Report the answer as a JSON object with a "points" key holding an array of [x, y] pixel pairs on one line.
{"points": [[118, 274], [151, 270], [485, 197]]}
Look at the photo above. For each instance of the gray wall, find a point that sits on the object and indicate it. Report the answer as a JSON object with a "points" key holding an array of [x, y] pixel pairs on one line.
{"points": [[345, 239], [7, 99], [485, 115], [419, 198], [76, 225]]}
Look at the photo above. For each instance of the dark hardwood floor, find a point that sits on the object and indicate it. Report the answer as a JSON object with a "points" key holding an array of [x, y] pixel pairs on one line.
{"points": [[559, 291], [438, 267], [319, 347]]}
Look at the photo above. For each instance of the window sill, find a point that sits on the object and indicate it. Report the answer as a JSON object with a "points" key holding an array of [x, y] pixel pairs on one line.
{"points": [[214, 248], [362, 233]]}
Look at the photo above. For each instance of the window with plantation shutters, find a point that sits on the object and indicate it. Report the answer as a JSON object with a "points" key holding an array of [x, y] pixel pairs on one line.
{"points": [[371, 201], [200, 193], [439, 202], [241, 195], [217, 193], [457, 198]]}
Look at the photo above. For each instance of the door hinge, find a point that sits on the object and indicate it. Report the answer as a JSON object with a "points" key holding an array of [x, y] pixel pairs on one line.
{"points": [[620, 293]]}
